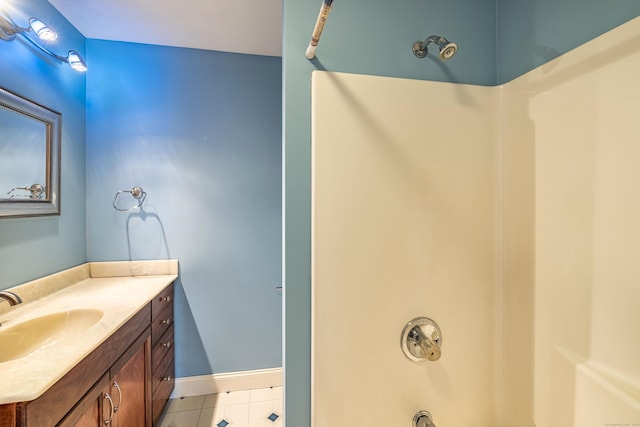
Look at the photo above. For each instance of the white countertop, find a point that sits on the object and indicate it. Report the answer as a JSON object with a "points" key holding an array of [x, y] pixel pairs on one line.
{"points": [[119, 297]]}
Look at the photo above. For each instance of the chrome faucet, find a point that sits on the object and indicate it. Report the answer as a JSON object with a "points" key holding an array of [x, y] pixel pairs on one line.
{"points": [[10, 297], [423, 419]]}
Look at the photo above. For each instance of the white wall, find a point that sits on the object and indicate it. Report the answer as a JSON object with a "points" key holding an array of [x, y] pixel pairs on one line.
{"points": [[509, 215]]}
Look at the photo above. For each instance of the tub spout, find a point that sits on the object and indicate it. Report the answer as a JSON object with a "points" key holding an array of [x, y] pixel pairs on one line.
{"points": [[423, 419]]}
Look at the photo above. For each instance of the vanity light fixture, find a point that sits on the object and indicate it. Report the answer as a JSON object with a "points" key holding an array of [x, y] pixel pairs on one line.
{"points": [[9, 30], [40, 28]]}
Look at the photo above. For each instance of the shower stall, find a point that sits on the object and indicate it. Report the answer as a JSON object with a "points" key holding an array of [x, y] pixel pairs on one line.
{"points": [[506, 215]]}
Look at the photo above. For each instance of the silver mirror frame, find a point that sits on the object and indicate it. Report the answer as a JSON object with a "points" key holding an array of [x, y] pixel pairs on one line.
{"points": [[53, 122]]}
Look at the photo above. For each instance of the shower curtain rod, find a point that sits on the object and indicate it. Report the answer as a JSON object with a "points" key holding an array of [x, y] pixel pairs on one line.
{"points": [[317, 30]]}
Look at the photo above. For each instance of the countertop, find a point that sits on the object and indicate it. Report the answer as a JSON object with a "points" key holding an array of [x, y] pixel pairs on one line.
{"points": [[119, 289]]}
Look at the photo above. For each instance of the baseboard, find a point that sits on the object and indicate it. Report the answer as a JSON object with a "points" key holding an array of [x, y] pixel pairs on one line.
{"points": [[232, 381]]}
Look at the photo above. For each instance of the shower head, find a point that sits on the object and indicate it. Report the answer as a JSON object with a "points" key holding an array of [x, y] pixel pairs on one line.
{"points": [[446, 48]]}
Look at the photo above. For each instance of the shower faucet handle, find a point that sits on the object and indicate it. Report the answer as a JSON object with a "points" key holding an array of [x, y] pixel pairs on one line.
{"points": [[421, 340], [430, 349]]}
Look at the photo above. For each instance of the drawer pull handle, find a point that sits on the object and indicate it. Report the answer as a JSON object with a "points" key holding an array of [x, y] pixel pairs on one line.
{"points": [[167, 344], [108, 421], [117, 386], [166, 322], [165, 299], [166, 378]]}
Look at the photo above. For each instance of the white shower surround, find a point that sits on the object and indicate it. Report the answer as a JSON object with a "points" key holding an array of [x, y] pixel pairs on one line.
{"points": [[510, 215]]}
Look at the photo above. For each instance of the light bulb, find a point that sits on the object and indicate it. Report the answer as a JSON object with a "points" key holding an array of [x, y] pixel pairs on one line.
{"points": [[40, 28], [76, 62]]}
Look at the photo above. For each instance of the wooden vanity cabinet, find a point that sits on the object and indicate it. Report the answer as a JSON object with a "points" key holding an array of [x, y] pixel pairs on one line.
{"points": [[120, 368], [119, 398]]}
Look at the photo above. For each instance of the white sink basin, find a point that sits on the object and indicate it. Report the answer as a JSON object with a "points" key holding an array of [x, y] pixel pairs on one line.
{"points": [[24, 338]]}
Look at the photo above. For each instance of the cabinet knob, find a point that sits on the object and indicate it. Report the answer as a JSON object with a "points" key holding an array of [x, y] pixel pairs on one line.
{"points": [[166, 322], [165, 299], [167, 344], [166, 378]]}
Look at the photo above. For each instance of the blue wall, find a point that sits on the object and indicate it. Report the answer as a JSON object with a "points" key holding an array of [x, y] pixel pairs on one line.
{"points": [[531, 33], [35, 247], [200, 132], [375, 37]]}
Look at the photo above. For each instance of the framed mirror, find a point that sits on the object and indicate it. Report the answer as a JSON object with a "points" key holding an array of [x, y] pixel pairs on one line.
{"points": [[29, 157]]}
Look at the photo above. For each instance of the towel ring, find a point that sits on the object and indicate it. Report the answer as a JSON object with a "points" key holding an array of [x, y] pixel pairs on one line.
{"points": [[137, 192]]}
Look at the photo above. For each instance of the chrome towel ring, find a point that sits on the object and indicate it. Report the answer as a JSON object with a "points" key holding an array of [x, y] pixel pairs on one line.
{"points": [[137, 192]]}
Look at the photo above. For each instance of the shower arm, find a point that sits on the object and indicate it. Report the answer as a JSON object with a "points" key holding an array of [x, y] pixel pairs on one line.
{"points": [[431, 39], [446, 49]]}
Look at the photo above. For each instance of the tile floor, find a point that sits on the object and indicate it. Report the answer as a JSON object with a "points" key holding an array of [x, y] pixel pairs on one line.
{"points": [[249, 408]]}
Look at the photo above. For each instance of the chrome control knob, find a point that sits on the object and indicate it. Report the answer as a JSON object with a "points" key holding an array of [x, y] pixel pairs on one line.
{"points": [[422, 340]]}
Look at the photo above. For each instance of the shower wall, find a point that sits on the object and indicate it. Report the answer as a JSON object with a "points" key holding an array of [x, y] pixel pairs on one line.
{"points": [[509, 215], [571, 237], [404, 196]]}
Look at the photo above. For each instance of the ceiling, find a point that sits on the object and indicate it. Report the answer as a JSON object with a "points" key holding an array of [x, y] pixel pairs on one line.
{"points": [[241, 26]]}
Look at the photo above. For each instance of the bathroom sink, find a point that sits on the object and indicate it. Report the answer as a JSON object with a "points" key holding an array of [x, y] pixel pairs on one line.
{"points": [[24, 338]]}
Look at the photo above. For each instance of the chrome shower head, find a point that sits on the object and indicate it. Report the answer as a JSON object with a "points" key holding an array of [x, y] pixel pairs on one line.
{"points": [[446, 48]]}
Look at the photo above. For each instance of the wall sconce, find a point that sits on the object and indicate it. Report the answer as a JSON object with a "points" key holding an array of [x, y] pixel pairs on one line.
{"points": [[9, 30]]}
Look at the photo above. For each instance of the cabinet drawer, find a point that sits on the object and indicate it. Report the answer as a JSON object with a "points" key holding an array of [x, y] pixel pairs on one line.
{"points": [[162, 390], [162, 301], [163, 371], [161, 324], [163, 347]]}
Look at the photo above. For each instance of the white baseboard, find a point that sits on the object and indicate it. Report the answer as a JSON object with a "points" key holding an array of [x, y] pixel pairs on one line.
{"points": [[232, 381]]}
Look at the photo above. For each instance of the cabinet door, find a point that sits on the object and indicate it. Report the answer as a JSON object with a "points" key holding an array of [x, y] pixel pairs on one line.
{"points": [[91, 418], [88, 411], [128, 390], [119, 398]]}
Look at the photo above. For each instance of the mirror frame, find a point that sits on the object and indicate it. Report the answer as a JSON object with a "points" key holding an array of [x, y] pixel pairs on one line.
{"points": [[53, 125]]}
